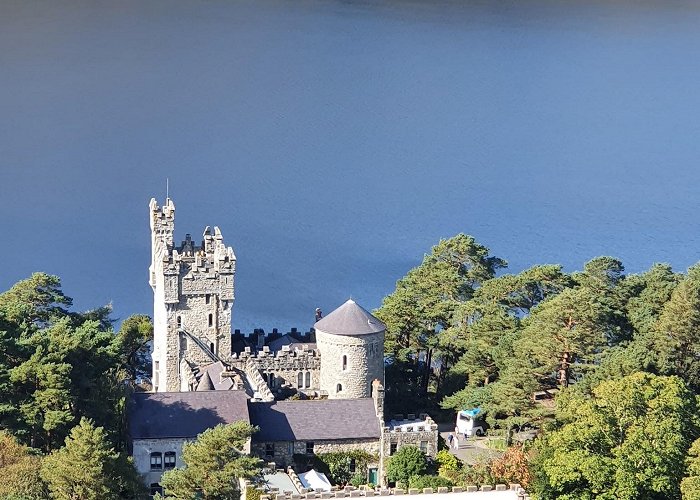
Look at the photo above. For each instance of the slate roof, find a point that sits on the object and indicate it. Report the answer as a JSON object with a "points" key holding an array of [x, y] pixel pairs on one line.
{"points": [[350, 319], [315, 420], [184, 414]]}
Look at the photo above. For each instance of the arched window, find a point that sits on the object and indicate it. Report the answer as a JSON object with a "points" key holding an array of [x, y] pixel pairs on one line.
{"points": [[338, 388], [179, 321], [345, 362], [308, 380], [211, 319], [300, 380], [156, 461], [211, 347], [169, 460]]}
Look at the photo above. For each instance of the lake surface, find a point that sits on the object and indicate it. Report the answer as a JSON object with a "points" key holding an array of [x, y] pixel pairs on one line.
{"points": [[335, 142]]}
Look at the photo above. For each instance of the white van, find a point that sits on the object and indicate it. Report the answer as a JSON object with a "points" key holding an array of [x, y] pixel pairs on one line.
{"points": [[469, 424]]}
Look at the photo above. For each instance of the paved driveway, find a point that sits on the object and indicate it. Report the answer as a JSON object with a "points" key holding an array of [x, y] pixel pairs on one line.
{"points": [[471, 450]]}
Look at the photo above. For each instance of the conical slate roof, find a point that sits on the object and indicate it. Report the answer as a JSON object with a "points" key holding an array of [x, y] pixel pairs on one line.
{"points": [[350, 319], [205, 383]]}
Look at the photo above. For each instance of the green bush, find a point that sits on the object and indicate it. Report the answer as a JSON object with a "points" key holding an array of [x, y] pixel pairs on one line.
{"points": [[434, 482], [409, 461], [446, 461], [336, 465], [358, 480]]}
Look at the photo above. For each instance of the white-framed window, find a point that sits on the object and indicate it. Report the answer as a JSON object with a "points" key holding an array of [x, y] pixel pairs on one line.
{"points": [[345, 362], [156, 460], [424, 446], [308, 380], [169, 460]]}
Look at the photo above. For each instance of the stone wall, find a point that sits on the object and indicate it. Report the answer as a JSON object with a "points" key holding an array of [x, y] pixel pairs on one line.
{"points": [[283, 367], [422, 435], [364, 362], [285, 450], [142, 449], [193, 290]]}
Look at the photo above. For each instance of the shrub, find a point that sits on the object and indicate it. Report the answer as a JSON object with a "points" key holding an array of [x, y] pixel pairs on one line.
{"points": [[446, 462], [434, 482], [336, 465], [409, 461], [358, 480]]}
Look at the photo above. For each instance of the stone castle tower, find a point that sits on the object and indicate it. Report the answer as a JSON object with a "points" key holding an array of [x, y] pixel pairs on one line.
{"points": [[193, 299], [351, 343]]}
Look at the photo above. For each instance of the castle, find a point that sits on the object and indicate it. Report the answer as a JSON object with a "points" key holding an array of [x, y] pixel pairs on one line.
{"points": [[204, 375]]}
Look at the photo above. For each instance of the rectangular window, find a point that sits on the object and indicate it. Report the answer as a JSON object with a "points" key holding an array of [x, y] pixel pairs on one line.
{"points": [[424, 446], [156, 461], [156, 488], [270, 450], [392, 448], [353, 466], [309, 447], [169, 460], [211, 320], [207, 299]]}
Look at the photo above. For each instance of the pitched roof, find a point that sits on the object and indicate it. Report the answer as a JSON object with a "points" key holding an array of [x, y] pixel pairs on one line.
{"points": [[350, 319], [315, 420], [184, 414]]}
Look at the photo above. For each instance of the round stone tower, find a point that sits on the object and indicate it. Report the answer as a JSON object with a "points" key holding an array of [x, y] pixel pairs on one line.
{"points": [[351, 343]]}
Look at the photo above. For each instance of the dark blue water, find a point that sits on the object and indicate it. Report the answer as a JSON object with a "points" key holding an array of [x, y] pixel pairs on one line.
{"points": [[335, 142]]}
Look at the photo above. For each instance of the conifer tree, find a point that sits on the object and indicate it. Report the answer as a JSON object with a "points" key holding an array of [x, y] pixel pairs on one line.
{"points": [[213, 465], [88, 468]]}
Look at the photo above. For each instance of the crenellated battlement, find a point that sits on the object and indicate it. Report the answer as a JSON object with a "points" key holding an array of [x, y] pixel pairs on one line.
{"points": [[193, 287]]}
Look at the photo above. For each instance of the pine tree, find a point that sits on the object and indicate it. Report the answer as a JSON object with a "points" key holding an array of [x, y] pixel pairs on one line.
{"points": [[87, 467]]}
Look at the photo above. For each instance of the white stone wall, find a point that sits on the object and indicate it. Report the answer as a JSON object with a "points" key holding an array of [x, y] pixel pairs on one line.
{"points": [[142, 456], [365, 362]]}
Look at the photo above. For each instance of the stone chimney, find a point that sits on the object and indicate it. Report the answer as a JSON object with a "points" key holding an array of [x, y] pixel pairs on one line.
{"points": [[378, 397]]}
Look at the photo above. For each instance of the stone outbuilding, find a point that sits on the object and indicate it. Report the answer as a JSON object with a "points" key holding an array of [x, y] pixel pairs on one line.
{"points": [[160, 423]]}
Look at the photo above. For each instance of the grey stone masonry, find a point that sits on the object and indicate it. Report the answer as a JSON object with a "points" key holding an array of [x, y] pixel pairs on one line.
{"points": [[350, 363], [193, 293]]}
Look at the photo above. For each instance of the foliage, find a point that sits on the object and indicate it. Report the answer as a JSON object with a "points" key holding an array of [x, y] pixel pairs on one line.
{"points": [[675, 332], [19, 470], [213, 464], [407, 462], [512, 467], [252, 493], [338, 467], [358, 480], [447, 462], [628, 441], [88, 468], [434, 482], [690, 485]]}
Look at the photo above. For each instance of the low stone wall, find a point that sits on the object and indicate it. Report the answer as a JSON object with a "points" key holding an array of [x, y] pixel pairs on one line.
{"points": [[457, 492]]}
